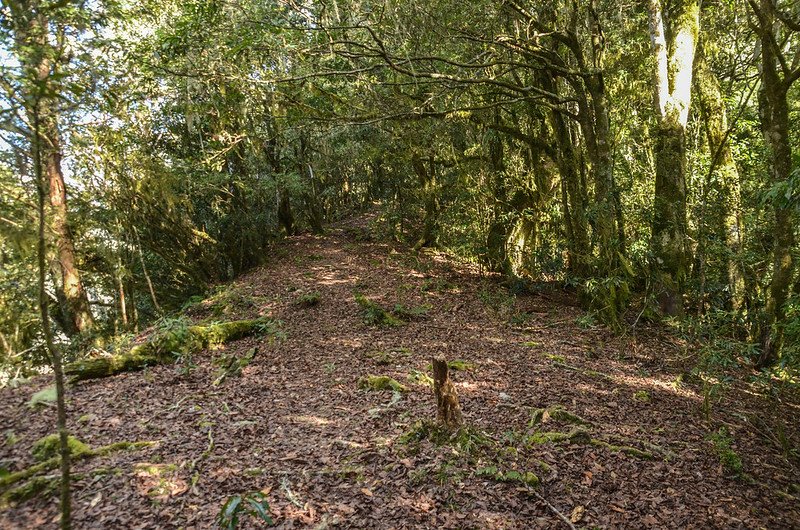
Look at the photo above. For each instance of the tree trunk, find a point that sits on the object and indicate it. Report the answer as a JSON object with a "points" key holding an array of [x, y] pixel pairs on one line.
{"points": [[774, 113], [447, 407], [71, 285], [673, 83], [36, 54], [430, 193], [715, 120]]}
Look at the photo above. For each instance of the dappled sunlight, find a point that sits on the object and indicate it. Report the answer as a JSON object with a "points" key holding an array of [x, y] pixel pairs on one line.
{"points": [[311, 420]]}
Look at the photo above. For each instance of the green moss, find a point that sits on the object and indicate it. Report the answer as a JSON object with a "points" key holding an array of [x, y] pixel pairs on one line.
{"points": [[626, 449], [527, 478], [557, 413], [39, 485], [380, 382], [43, 397], [420, 378], [53, 463], [30, 489], [642, 396], [50, 446], [465, 439], [576, 435], [374, 315], [173, 339]]}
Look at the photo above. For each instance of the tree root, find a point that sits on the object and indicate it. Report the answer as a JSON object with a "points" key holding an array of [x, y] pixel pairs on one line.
{"points": [[557, 413]]}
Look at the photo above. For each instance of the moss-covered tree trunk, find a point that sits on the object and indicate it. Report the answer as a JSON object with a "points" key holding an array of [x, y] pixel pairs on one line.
{"points": [[426, 177], [673, 82], [574, 202], [723, 166], [774, 113]]}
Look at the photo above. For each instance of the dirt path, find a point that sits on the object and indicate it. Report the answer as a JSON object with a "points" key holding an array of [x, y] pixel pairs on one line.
{"points": [[296, 426]]}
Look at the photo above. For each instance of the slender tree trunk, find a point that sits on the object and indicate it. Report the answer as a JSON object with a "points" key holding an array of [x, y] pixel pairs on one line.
{"points": [[497, 254], [715, 120], [123, 308], [145, 273], [673, 82], [774, 113], [33, 49], [55, 354]]}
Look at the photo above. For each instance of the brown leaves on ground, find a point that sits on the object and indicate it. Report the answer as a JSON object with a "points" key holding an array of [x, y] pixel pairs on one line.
{"points": [[295, 426]]}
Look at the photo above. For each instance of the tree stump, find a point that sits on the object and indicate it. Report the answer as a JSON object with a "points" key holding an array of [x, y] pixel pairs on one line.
{"points": [[448, 409]]}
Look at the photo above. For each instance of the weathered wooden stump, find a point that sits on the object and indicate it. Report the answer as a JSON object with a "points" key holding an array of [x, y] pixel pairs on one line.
{"points": [[448, 409]]}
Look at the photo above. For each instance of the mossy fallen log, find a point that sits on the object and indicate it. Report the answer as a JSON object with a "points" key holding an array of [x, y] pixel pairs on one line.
{"points": [[42, 485], [52, 463], [165, 345]]}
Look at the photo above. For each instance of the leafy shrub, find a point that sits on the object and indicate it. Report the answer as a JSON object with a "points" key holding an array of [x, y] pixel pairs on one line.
{"points": [[309, 299], [374, 315], [410, 313], [730, 460]]}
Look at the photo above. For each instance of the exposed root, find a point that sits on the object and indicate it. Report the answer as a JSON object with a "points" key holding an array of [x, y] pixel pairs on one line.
{"points": [[557, 413], [380, 382]]}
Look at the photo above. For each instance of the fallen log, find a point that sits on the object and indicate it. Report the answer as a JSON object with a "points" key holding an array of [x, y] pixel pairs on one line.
{"points": [[165, 346]]}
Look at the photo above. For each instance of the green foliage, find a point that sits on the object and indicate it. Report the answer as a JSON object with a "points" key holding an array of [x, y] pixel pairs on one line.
{"points": [[722, 443], [45, 396], [309, 299], [231, 365], [253, 504]]}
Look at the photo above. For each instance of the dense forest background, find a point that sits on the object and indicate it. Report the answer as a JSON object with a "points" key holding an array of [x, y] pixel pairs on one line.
{"points": [[641, 153]]}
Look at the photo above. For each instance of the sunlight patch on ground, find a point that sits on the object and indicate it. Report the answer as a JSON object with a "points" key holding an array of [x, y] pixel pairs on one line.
{"points": [[310, 420]]}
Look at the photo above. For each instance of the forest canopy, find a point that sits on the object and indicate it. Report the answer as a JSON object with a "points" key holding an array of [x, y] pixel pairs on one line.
{"points": [[641, 153]]}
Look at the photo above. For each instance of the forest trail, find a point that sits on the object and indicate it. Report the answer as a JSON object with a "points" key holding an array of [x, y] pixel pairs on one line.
{"points": [[296, 426]]}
